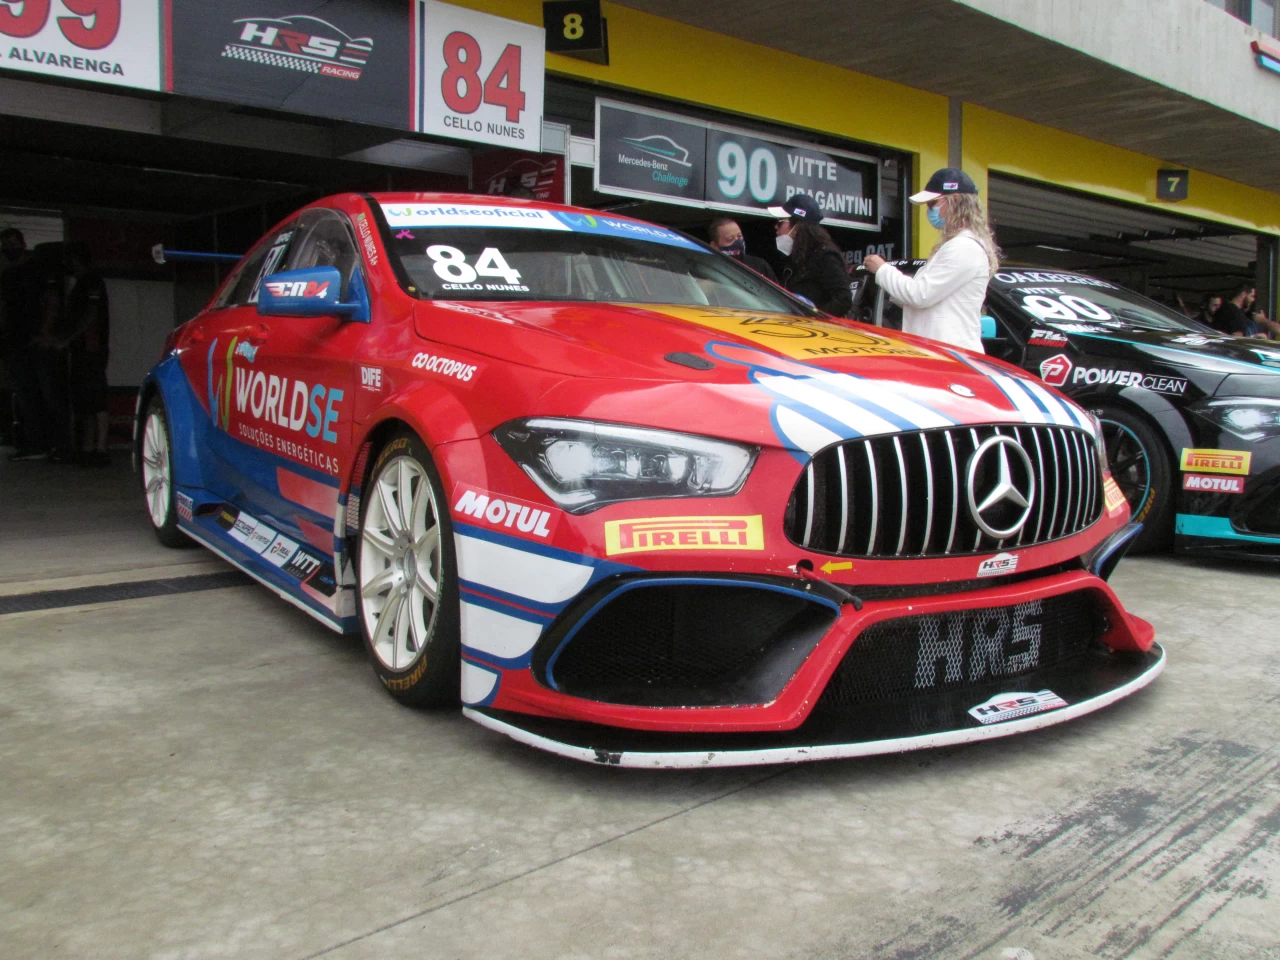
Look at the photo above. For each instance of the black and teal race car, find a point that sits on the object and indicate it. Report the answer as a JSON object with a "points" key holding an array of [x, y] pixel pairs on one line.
{"points": [[1191, 416]]}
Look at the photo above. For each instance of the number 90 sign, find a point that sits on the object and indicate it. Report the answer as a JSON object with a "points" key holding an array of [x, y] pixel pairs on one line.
{"points": [[480, 77]]}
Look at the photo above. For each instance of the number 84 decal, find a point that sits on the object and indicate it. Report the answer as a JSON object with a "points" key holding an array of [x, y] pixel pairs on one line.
{"points": [[450, 265]]}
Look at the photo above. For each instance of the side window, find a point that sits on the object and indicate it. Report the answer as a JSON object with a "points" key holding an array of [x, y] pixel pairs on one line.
{"points": [[325, 239], [263, 262]]}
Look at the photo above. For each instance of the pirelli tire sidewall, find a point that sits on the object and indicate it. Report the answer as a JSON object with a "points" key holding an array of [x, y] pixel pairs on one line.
{"points": [[1155, 512], [434, 679]]}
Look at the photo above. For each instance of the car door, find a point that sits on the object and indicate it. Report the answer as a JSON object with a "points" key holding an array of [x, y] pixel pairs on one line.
{"points": [[302, 402], [227, 338]]}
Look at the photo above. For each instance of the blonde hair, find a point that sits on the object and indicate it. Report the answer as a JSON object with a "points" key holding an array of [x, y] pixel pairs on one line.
{"points": [[964, 212]]}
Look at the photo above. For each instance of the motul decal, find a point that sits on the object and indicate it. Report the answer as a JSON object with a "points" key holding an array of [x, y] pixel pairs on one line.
{"points": [[501, 512], [1196, 481]]}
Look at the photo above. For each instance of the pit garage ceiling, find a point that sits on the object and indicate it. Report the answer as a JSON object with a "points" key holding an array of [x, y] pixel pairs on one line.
{"points": [[1159, 252], [951, 49]]}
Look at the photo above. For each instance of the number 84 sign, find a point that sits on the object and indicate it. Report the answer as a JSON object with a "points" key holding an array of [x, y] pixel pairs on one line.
{"points": [[478, 77]]}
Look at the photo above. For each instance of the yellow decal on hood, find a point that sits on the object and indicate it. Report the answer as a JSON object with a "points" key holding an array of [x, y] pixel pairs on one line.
{"points": [[801, 338]]}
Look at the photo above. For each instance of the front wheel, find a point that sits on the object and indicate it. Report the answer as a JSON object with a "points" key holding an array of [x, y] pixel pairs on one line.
{"points": [[408, 577], [157, 476], [1142, 468]]}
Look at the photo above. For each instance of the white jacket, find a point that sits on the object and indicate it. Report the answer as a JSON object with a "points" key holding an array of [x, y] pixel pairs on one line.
{"points": [[943, 301]]}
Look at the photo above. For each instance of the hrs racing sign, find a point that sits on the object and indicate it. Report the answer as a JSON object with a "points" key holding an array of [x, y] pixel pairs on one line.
{"points": [[477, 76], [347, 61]]}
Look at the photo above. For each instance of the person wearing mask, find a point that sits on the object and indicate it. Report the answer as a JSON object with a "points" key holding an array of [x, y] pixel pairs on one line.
{"points": [[943, 301], [726, 236], [814, 266]]}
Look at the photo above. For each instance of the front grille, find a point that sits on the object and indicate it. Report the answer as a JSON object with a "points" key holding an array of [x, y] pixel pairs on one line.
{"points": [[905, 495], [920, 656], [689, 645]]}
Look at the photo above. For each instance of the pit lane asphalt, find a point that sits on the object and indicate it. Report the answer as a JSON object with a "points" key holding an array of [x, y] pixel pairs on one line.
{"points": [[213, 774]]}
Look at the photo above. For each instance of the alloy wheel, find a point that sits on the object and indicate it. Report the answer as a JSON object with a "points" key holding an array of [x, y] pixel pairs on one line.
{"points": [[400, 563], [1128, 461], [155, 468]]}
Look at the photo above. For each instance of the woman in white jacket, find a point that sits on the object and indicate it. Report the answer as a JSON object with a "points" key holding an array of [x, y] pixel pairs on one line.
{"points": [[943, 301]]}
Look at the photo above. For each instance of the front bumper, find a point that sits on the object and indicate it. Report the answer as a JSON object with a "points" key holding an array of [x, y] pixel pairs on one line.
{"points": [[940, 721]]}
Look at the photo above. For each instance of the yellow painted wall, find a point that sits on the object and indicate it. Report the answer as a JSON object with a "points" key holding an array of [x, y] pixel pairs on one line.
{"points": [[995, 141], [666, 59]]}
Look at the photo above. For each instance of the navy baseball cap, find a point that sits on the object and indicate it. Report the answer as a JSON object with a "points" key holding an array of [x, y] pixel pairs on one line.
{"points": [[801, 206], [945, 181]]}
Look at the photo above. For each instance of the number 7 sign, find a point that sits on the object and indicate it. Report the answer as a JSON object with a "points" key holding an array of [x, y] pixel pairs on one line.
{"points": [[478, 77]]}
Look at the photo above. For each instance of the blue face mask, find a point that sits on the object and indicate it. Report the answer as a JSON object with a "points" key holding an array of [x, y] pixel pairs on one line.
{"points": [[936, 219]]}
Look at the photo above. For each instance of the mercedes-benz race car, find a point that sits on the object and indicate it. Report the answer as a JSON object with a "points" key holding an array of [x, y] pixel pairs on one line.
{"points": [[1191, 416], [631, 503]]}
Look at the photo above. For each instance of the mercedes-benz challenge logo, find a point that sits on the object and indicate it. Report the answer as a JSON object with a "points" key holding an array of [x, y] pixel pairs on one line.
{"points": [[1006, 500]]}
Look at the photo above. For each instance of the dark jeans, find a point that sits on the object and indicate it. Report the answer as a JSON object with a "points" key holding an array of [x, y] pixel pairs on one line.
{"points": [[40, 386]]}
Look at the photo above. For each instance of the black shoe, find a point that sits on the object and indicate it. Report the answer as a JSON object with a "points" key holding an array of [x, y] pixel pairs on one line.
{"points": [[28, 455]]}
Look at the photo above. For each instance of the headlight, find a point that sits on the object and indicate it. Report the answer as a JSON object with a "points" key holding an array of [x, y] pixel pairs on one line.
{"points": [[1099, 444], [1249, 418], [583, 465]]}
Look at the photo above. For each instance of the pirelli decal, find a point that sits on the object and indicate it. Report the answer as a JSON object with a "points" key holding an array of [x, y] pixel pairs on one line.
{"points": [[1216, 461], [651, 534], [1114, 496]]}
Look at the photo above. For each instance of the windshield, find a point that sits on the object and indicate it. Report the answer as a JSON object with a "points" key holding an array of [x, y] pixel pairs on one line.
{"points": [[478, 252], [1077, 304]]}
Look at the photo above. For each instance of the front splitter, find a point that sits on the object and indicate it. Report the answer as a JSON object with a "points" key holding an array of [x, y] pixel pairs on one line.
{"points": [[936, 721]]}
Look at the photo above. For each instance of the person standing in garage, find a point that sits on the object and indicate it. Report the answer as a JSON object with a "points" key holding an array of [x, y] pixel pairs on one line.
{"points": [[814, 266], [20, 326], [943, 301], [88, 328], [726, 236]]}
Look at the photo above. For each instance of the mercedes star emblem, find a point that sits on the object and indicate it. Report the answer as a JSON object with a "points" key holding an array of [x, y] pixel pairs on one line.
{"points": [[1004, 488]]}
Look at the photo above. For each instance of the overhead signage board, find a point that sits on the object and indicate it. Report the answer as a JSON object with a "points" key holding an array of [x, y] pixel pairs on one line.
{"points": [[104, 41], [645, 153], [661, 156], [478, 77], [346, 61]]}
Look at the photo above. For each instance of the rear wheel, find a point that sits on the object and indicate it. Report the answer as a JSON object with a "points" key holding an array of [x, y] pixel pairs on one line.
{"points": [[1142, 468], [157, 476], [408, 577]]}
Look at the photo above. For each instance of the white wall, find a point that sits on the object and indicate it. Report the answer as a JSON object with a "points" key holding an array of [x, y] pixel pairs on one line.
{"points": [[1186, 45], [142, 315]]}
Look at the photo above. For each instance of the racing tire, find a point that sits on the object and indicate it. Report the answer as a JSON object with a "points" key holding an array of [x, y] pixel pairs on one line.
{"points": [[1141, 466], [155, 460], [407, 577]]}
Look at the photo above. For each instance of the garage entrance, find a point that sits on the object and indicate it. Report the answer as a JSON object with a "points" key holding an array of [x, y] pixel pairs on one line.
{"points": [[1172, 258]]}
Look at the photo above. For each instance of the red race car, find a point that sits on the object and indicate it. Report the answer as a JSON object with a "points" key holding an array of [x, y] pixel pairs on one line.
{"points": [[631, 503]]}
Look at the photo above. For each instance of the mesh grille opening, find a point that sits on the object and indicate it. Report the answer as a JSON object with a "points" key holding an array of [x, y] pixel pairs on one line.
{"points": [[910, 657], [690, 645]]}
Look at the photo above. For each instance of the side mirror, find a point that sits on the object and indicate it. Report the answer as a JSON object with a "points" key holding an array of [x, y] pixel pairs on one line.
{"points": [[314, 292], [989, 331]]}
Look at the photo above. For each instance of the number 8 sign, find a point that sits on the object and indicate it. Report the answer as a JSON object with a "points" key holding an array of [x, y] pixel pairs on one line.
{"points": [[478, 77]]}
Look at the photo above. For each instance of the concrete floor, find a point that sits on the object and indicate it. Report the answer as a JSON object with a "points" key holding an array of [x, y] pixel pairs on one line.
{"points": [[215, 775]]}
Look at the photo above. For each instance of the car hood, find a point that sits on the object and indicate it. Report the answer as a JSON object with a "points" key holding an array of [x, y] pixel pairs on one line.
{"points": [[813, 381], [1208, 351]]}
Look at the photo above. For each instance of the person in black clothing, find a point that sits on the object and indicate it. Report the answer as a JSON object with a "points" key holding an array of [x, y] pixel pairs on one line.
{"points": [[21, 324], [86, 334], [1209, 310], [814, 267], [726, 236], [1232, 317]]}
